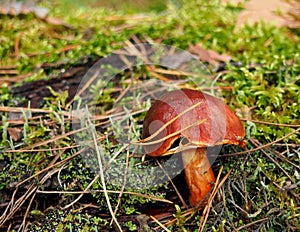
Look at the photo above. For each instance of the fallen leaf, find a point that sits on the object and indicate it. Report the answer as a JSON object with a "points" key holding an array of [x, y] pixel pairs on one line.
{"points": [[210, 56], [292, 16], [15, 133], [266, 10]]}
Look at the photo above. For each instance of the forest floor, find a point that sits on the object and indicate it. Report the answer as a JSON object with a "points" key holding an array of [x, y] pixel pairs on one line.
{"points": [[77, 80]]}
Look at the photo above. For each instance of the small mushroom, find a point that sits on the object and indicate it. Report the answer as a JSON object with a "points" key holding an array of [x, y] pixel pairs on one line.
{"points": [[200, 121]]}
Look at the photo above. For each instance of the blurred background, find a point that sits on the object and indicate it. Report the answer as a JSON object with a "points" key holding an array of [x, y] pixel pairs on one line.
{"points": [[125, 5], [129, 5]]}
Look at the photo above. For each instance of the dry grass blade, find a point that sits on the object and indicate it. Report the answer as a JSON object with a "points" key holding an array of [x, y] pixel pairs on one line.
{"points": [[123, 185], [45, 142], [15, 205], [132, 50], [251, 224], [157, 75], [51, 166], [101, 174], [86, 86], [42, 150], [23, 225], [271, 123], [84, 191], [154, 198], [189, 212], [160, 224], [172, 72], [273, 160], [291, 17], [143, 141], [180, 148], [206, 210], [175, 188], [13, 79], [282, 157], [32, 110], [263, 146], [43, 180], [170, 135], [115, 156], [216, 188], [125, 18]]}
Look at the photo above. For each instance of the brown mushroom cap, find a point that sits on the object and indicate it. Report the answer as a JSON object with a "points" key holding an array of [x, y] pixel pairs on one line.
{"points": [[214, 122]]}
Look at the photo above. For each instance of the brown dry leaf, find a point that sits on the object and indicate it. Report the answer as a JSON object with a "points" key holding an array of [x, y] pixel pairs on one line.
{"points": [[210, 56], [263, 10], [292, 16], [15, 133]]}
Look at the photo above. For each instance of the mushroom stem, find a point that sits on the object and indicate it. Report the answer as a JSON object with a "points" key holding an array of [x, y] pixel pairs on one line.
{"points": [[198, 174]]}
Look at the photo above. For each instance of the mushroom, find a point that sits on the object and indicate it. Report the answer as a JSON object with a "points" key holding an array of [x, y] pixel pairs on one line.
{"points": [[200, 121]]}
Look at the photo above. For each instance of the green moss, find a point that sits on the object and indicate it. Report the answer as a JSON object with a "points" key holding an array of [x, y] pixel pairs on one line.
{"points": [[266, 82]]}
